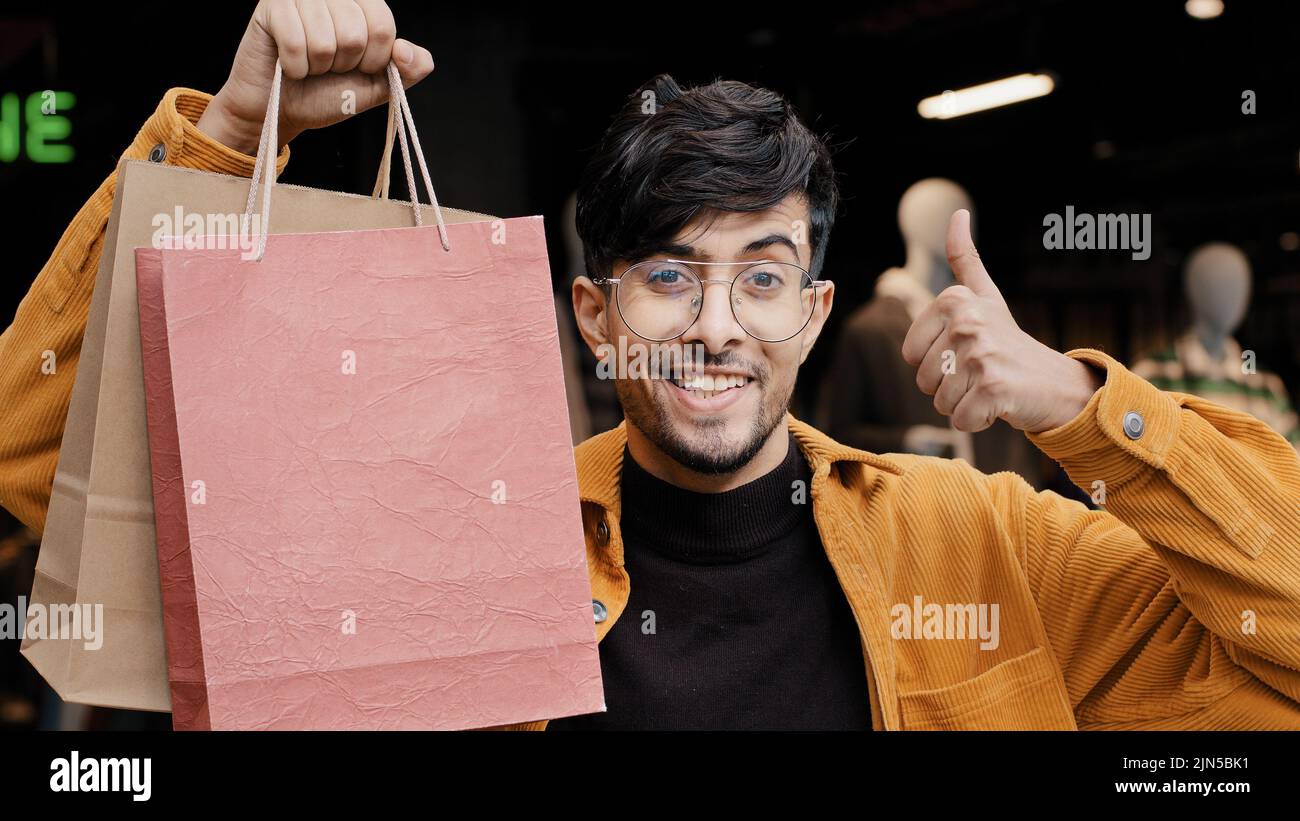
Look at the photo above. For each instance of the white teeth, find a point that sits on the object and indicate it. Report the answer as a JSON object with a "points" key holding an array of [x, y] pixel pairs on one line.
{"points": [[708, 385]]}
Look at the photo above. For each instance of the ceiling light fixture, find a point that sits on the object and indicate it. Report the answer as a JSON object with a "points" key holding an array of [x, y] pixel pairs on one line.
{"points": [[982, 97], [1204, 9]]}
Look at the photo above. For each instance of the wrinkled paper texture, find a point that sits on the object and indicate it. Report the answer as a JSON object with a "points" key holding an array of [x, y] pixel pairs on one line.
{"points": [[374, 522]]}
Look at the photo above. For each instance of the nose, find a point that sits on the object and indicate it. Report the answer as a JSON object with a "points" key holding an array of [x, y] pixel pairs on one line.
{"points": [[716, 327]]}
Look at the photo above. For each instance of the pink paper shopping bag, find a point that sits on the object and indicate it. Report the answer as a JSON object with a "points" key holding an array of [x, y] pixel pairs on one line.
{"points": [[365, 494]]}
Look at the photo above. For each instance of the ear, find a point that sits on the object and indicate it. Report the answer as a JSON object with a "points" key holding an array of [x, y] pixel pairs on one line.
{"points": [[589, 307], [821, 310]]}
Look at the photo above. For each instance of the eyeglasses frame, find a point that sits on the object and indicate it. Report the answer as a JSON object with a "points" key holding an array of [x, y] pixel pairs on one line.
{"points": [[815, 283]]}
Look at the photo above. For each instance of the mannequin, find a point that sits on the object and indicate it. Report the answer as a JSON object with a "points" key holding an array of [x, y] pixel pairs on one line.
{"points": [[1206, 360], [1216, 279], [923, 215], [869, 399]]}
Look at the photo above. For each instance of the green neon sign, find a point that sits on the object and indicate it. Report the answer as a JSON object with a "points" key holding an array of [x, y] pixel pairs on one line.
{"points": [[45, 127]]}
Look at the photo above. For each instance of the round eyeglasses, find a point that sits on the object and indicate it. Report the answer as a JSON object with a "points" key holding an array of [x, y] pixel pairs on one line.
{"points": [[660, 299]]}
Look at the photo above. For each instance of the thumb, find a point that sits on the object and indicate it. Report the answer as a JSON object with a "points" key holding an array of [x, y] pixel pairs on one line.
{"points": [[413, 62], [964, 259]]}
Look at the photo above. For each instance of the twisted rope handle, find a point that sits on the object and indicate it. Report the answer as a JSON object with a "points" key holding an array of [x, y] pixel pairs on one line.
{"points": [[399, 114]]}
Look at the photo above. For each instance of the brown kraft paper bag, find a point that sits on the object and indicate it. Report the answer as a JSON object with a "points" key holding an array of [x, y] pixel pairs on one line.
{"points": [[99, 545]]}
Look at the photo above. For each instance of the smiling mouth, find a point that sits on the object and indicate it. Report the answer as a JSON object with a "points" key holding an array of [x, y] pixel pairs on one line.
{"points": [[707, 386]]}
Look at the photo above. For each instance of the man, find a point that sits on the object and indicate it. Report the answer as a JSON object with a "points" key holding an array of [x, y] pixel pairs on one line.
{"points": [[781, 579]]}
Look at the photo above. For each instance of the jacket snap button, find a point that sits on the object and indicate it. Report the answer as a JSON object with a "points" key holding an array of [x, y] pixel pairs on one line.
{"points": [[1133, 425], [602, 532], [158, 153], [599, 611]]}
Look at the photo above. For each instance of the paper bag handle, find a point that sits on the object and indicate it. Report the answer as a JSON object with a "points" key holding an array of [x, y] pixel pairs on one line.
{"points": [[385, 162], [398, 111]]}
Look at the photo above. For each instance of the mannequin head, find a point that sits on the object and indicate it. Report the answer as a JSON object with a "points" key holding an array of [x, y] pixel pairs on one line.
{"points": [[923, 215], [1216, 278]]}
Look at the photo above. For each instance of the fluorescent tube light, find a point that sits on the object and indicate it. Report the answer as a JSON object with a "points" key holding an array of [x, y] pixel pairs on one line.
{"points": [[982, 97]]}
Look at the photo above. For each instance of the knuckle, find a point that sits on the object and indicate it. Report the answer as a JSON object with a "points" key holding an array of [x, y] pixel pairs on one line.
{"points": [[351, 42], [991, 385], [971, 416], [954, 297], [966, 323], [922, 382], [961, 330], [290, 40], [977, 355], [910, 356]]}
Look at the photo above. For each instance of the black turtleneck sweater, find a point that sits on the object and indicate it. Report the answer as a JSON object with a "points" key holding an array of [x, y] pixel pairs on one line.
{"points": [[735, 618]]}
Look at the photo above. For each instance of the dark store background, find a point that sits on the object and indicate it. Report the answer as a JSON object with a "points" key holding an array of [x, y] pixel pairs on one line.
{"points": [[1146, 117]]}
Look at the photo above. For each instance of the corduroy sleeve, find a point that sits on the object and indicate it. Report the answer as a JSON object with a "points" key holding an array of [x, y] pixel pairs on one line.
{"points": [[1178, 605], [39, 351]]}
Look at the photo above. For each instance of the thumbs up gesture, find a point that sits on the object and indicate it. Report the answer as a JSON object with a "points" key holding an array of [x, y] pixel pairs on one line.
{"points": [[972, 357]]}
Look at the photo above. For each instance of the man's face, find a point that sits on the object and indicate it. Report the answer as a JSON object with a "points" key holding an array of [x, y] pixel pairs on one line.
{"points": [[718, 431]]}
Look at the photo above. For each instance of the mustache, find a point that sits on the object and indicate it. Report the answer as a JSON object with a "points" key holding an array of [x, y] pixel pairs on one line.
{"points": [[728, 360]]}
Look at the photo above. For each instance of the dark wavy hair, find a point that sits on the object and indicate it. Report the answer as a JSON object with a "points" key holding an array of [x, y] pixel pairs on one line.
{"points": [[680, 154]]}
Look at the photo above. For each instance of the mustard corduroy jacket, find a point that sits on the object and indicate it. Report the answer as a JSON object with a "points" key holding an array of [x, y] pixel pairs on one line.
{"points": [[981, 603]]}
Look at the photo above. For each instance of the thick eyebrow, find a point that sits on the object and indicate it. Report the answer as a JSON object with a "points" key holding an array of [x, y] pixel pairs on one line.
{"points": [[690, 252], [685, 251], [770, 240]]}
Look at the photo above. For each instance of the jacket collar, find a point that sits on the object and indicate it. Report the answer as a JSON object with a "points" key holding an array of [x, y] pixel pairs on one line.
{"points": [[600, 460]]}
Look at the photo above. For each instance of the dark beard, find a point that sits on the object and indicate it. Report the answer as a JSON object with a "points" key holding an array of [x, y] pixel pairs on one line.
{"points": [[709, 459]]}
